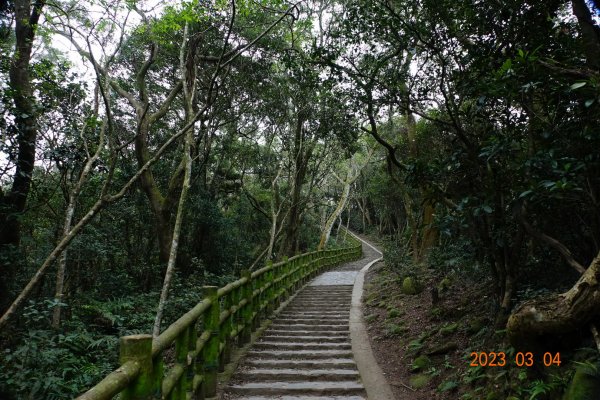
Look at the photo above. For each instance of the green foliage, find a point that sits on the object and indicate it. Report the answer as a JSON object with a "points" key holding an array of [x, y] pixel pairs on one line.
{"points": [[394, 313], [421, 363], [393, 329], [419, 381], [51, 364], [446, 386]]}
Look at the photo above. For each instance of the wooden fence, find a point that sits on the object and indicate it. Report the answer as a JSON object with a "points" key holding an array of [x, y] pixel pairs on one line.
{"points": [[182, 363]]}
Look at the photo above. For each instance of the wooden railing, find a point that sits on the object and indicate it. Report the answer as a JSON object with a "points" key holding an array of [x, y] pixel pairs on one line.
{"points": [[182, 363]]}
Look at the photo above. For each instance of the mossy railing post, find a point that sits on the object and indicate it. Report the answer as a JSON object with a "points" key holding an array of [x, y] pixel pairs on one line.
{"points": [[195, 373], [181, 353], [294, 271], [270, 293], [247, 310], [138, 348], [285, 268], [256, 299], [257, 285], [210, 351], [238, 320], [300, 266], [320, 262], [226, 332]]}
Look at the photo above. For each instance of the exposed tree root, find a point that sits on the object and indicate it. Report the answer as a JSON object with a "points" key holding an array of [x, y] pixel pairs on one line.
{"points": [[559, 314]]}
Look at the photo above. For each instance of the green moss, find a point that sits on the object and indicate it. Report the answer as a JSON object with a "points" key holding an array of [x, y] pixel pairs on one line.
{"points": [[371, 317], [448, 329], [444, 284], [584, 385], [443, 348], [410, 286], [394, 313], [419, 381], [421, 363], [392, 329], [415, 345], [475, 325], [436, 312]]}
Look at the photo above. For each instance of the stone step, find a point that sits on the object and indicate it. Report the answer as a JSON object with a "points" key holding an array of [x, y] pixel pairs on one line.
{"points": [[316, 332], [317, 313], [321, 293], [318, 309], [320, 303], [303, 388], [322, 297], [302, 364], [305, 354], [299, 354], [330, 317], [292, 375], [302, 346], [309, 327], [312, 321], [305, 339], [299, 398], [338, 299]]}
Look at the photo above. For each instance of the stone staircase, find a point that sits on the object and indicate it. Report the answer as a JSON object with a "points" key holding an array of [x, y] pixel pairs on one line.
{"points": [[306, 351]]}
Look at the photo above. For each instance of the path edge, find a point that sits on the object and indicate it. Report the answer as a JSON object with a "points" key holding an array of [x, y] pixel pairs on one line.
{"points": [[372, 376]]}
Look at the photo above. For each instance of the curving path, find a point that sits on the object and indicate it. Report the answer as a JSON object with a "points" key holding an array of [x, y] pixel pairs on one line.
{"points": [[315, 347]]}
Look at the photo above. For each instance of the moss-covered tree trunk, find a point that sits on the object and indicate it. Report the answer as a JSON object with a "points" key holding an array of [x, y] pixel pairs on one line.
{"points": [[302, 154], [561, 313]]}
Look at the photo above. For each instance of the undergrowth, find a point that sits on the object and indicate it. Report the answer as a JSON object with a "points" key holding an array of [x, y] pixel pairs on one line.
{"points": [[38, 362]]}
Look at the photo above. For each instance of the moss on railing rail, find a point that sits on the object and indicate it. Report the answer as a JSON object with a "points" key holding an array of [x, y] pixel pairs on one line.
{"points": [[204, 336]]}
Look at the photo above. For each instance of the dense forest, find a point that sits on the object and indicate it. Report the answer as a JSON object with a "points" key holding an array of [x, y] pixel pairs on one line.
{"points": [[151, 148]]}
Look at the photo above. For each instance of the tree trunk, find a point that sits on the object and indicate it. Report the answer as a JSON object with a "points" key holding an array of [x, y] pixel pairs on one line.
{"points": [[590, 33], [62, 266], [12, 204], [302, 153], [429, 233], [558, 314], [162, 212], [413, 226], [336, 213], [188, 71]]}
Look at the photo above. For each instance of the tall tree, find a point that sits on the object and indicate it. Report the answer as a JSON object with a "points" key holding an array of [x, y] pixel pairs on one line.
{"points": [[12, 203]]}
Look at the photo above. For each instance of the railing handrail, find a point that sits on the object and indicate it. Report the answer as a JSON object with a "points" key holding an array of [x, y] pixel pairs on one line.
{"points": [[242, 300]]}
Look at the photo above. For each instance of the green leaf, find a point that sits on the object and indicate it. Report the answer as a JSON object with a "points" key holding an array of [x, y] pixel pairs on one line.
{"points": [[448, 385], [487, 209], [589, 102], [578, 85], [525, 193], [522, 375]]}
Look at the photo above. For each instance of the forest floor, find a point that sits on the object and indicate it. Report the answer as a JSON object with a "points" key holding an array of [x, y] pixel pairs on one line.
{"points": [[403, 329], [424, 349]]}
